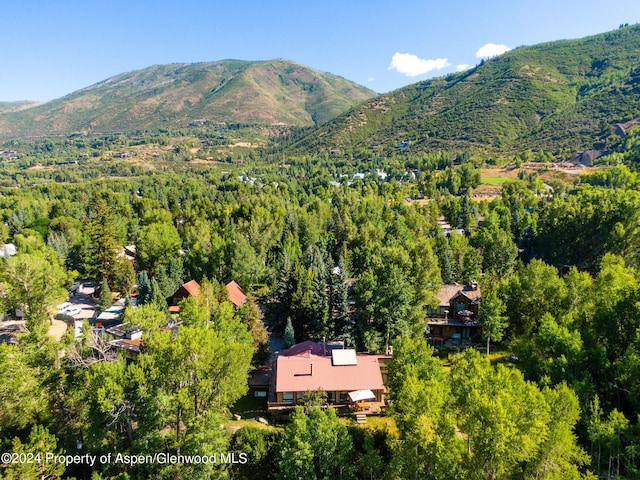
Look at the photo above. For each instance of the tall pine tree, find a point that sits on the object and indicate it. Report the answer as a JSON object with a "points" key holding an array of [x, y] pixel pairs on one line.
{"points": [[102, 261]]}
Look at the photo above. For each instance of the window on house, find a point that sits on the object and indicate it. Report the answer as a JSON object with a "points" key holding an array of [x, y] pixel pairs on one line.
{"points": [[287, 397]]}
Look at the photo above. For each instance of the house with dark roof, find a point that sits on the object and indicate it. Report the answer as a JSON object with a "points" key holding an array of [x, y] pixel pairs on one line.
{"points": [[339, 372], [9, 332], [456, 317], [129, 337], [129, 253]]}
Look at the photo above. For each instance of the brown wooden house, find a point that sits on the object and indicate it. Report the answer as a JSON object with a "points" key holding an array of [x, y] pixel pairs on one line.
{"points": [[456, 317]]}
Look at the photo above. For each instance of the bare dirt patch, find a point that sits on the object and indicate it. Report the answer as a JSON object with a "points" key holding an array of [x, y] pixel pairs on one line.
{"points": [[203, 161], [486, 192], [422, 202], [545, 171], [57, 329], [506, 172]]}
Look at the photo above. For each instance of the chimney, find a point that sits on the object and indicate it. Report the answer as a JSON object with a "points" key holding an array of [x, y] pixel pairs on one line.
{"points": [[311, 368]]}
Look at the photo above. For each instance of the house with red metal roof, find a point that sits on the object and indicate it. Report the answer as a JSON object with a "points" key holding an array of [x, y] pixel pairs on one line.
{"points": [[311, 366], [187, 290], [192, 288], [236, 294]]}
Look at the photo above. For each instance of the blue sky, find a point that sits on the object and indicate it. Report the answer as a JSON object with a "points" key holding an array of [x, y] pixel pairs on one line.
{"points": [[50, 49]]}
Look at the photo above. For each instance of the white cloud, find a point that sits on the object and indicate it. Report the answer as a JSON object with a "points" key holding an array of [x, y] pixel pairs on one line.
{"points": [[412, 66], [371, 79], [462, 67], [491, 50]]}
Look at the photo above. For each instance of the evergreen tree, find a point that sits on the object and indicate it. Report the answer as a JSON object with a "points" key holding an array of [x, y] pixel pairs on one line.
{"points": [[156, 295], [251, 316], [467, 218], [320, 294], [344, 323], [444, 258], [40, 442], [289, 338], [283, 292], [103, 242], [143, 287], [175, 273], [105, 295], [302, 306]]}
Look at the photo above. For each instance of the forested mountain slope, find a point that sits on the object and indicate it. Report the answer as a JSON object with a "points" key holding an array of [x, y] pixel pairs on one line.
{"points": [[561, 96]]}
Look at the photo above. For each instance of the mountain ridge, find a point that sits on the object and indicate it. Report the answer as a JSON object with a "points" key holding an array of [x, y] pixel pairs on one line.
{"points": [[16, 106], [271, 92], [554, 98]]}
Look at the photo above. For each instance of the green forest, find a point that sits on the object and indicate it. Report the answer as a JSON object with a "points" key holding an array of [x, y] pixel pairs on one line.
{"points": [[342, 248]]}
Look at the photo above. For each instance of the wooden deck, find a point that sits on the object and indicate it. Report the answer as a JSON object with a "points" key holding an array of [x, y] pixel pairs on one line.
{"points": [[371, 408], [342, 409]]}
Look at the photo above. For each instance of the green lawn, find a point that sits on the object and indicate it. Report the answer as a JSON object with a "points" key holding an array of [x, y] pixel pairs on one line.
{"points": [[235, 425], [249, 407], [497, 356], [495, 180]]}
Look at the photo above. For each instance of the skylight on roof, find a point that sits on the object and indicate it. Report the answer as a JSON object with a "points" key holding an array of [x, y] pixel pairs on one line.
{"points": [[343, 357]]}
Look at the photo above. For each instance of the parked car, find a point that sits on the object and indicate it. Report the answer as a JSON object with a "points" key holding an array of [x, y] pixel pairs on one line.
{"points": [[511, 359], [73, 311], [64, 306]]}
